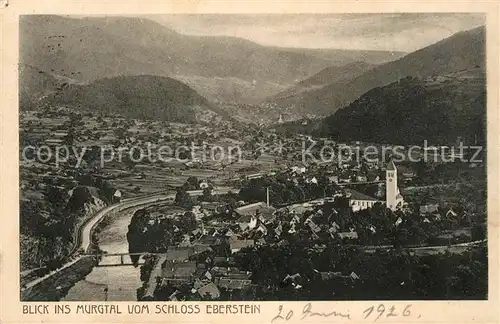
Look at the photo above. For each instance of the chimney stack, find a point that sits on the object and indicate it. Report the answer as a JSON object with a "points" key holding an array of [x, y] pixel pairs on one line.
{"points": [[267, 195]]}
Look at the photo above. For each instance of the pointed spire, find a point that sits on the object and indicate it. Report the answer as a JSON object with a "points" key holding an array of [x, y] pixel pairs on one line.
{"points": [[391, 166]]}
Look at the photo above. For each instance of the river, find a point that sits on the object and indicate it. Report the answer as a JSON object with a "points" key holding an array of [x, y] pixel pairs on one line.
{"points": [[122, 281]]}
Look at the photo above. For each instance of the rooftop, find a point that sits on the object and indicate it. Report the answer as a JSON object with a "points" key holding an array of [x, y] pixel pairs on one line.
{"points": [[429, 208], [178, 269], [206, 240], [231, 284], [349, 235], [200, 248], [252, 209], [178, 253], [239, 244], [356, 195], [210, 290]]}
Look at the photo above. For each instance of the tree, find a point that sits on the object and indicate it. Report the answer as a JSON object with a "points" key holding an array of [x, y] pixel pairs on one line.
{"points": [[182, 198], [92, 155], [191, 184], [70, 137], [56, 197], [188, 222], [478, 232], [31, 220], [120, 132], [80, 196], [207, 195]]}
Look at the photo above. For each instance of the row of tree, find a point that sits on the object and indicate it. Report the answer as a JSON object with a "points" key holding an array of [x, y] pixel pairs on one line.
{"points": [[383, 275]]}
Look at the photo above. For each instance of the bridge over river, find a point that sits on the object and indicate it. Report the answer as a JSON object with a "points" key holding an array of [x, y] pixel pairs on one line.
{"points": [[119, 259]]}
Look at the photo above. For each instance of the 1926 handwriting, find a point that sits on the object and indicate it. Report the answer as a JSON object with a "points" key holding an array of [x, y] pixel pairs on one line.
{"points": [[388, 312], [369, 313]]}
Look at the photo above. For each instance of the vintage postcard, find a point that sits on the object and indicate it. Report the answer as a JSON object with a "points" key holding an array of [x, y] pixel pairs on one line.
{"points": [[249, 162]]}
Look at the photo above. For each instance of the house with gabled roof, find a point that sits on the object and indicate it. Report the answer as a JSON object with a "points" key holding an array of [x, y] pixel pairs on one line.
{"points": [[210, 290], [179, 253], [178, 270], [348, 235], [430, 209], [233, 284], [247, 222], [237, 245]]}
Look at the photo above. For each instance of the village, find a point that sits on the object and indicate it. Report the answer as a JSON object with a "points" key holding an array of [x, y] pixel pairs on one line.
{"points": [[208, 260], [276, 200]]}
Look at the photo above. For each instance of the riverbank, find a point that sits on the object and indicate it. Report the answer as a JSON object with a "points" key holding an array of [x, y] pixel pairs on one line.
{"points": [[122, 282], [55, 287]]}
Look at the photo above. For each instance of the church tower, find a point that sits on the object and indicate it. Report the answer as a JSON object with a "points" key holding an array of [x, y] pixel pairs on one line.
{"points": [[393, 198]]}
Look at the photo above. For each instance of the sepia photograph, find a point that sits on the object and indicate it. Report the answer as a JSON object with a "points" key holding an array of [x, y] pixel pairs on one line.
{"points": [[252, 157]]}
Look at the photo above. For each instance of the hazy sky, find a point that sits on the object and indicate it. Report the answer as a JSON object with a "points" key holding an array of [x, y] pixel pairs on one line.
{"points": [[398, 32]]}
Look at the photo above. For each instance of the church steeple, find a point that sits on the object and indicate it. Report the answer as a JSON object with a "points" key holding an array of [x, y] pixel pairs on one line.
{"points": [[392, 196], [391, 166]]}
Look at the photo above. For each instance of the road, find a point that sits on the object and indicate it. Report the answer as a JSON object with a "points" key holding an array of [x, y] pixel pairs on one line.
{"points": [[84, 232]]}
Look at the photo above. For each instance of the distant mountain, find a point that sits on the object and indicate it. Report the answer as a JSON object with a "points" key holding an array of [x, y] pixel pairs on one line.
{"points": [[329, 75], [464, 50], [340, 57], [437, 109], [144, 97], [337, 74], [34, 85], [88, 49]]}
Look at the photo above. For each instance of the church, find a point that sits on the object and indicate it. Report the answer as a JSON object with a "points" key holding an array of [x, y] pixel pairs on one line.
{"points": [[393, 198]]}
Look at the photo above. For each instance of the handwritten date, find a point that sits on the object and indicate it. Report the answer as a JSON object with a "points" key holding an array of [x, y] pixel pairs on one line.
{"points": [[372, 313], [388, 312], [307, 312]]}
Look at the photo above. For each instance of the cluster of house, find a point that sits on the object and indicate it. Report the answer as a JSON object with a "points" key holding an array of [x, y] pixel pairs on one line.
{"points": [[259, 224], [432, 212], [254, 225], [177, 267], [351, 174]]}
